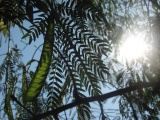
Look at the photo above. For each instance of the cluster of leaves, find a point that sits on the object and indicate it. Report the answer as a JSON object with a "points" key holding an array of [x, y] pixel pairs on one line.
{"points": [[76, 36], [9, 72], [76, 65], [142, 104]]}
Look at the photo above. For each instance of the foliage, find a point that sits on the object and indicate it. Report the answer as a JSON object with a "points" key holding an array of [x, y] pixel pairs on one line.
{"points": [[70, 73], [143, 104]]}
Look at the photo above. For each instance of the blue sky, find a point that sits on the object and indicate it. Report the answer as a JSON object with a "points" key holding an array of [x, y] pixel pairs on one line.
{"points": [[28, 52]]}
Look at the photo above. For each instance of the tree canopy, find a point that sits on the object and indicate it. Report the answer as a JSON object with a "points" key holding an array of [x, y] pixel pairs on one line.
{"points": [[79, 59]]}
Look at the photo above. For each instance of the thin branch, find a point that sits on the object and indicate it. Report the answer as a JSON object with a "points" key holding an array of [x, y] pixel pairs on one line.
{"points": [[3, 54], [131, 105], [21, 26], [15, 99], [35, 53], [103, 97], [102, 111]]}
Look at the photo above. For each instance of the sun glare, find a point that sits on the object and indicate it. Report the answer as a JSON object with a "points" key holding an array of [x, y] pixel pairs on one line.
{"points": [[133, 48]]}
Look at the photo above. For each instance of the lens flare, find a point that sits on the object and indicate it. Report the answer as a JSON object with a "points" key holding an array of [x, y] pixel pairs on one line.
{"points": [[133, 48]]}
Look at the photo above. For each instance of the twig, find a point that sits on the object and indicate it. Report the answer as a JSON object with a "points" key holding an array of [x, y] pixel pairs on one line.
{"points": [[15, 99]]}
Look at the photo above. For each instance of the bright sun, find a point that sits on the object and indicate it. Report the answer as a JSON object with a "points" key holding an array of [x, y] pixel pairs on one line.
{"points": [[133, 48]]}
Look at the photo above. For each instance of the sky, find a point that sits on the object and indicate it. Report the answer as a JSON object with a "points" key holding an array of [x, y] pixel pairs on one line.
{"points": [[28, 51], [16, 36]]}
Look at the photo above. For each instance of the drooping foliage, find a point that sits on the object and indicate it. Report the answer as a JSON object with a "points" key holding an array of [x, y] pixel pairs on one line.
{"points": [[142, 104], [74, 65], [77, 35]]}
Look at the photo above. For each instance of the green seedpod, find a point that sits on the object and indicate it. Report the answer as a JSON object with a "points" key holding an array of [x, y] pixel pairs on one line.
{"points": [[43, 67]]}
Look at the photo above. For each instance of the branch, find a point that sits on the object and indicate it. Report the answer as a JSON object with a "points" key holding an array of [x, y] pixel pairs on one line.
{"points": [[15, 99], [103, 97], [131, 105]]}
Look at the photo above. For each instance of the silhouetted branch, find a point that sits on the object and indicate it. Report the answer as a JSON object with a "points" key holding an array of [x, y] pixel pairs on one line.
{"points": [[131, 105], [103, 97], [15, 99]]}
